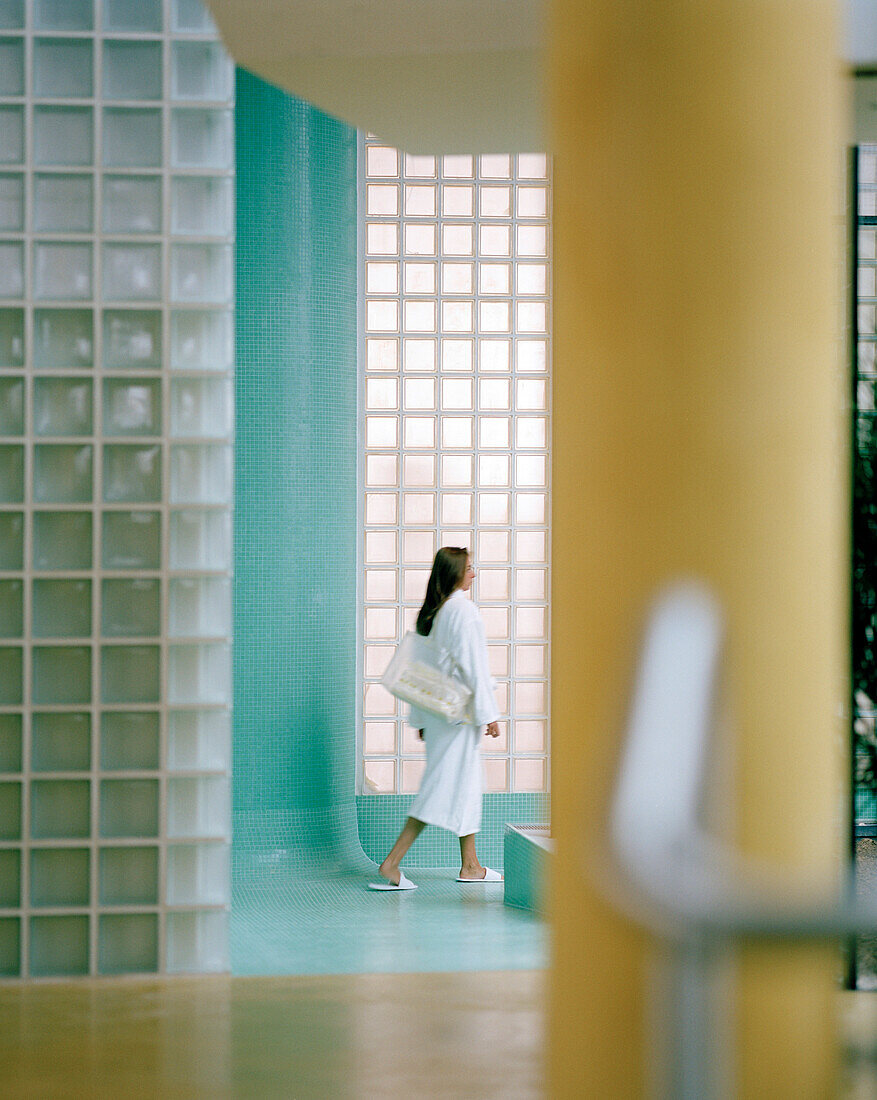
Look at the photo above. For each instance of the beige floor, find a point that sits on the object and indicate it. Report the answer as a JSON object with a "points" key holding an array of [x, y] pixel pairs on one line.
{"points": [[477, 1035]]}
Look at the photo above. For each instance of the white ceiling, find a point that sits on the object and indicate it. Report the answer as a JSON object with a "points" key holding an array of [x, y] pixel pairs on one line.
{"points": [[444, 76]]}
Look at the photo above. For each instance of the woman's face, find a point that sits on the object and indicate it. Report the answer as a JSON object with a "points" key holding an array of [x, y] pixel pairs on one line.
{"points": [[468, 576]]}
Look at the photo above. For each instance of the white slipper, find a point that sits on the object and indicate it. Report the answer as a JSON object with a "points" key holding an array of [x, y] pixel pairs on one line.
{"points": [[404, 883], [489, 876]]}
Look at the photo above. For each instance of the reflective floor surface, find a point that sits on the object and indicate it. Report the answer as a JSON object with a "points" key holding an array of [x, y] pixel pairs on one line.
{"points": [[281, 924], [351, 1036]]}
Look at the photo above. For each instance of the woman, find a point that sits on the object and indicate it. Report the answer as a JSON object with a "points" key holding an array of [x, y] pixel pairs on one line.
{"points": [[450, 791]]}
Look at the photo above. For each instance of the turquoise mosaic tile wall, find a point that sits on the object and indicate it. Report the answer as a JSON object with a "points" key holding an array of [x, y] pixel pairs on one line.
{"points": [[295, 511], [381, 817], [295, 503]]}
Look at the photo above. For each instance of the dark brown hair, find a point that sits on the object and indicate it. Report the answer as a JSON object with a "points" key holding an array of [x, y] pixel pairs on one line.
{"points": [[448, 573]]}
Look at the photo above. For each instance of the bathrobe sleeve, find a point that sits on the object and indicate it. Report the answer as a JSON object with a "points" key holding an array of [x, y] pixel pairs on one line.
{"points": [[466, 641]]}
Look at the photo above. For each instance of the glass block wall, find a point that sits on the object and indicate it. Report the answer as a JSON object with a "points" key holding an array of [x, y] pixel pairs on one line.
{"points": [[116, 222], [456, 275]]}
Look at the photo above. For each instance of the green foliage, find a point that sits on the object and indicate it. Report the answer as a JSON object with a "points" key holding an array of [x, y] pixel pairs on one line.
{"points": [[864, 582]]}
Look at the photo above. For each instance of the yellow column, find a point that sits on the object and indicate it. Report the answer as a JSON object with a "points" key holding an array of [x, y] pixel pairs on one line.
{"points": [[698, 429]]}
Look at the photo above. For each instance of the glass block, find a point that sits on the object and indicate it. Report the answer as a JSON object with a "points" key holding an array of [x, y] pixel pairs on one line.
{"points": [[529, 621], [381, 160], [198, 874], [380, 508], [201, 340], [199, 608], [493, 584], [63, 203], [530, 584], [530, 735], [11, 203], [132, 407], [129, 16], [10, 811], [381, 471], [202, 206], [532, 240], [11, 135], [197, 941], [494, 202], [62, 540], [12, 15], [199, 673], [61, 609], [381, 624], [63, 15], [11, 609], [61, 742], [11, 337], [199, 739], [530, 774], [532, 166], [131, 272], [62, 473], [58, 946], [412, 773], [200, 540], [495, 166], [59, 809], [130, 674], [132, 540], [62, 406], [11, 406], [10, 676], [11, 474], [201, 272], [131, 339], [62, 68], [132, 70], [191, 16], [382, 238], [531, 470], [201, 407], [127, 943], [128, 876], [10, 885], [379, 738], [61, 674], [129, 807], [200, 71], [379, 776], [63, 136], [63, 338], [130, 608], [131, 204], [132, 473], [11, 270], [201, 139], [382, 199], [419, 165], [11, 66], [132, 137], [130, 741], [201, 474], [496, 775], [59, 877], [62, 270], [10, 745], [198, 807], [529, 698]]}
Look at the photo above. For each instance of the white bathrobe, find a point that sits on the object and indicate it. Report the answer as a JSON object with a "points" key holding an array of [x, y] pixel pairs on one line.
{"points": [[450, 791]]}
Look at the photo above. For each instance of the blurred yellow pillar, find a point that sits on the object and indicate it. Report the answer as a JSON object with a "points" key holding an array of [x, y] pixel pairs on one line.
{"points": [[698, 429]]}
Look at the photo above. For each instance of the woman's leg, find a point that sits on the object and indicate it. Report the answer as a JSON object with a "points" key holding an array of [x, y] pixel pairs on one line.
{"points": [[469, 865], [390, 867]]}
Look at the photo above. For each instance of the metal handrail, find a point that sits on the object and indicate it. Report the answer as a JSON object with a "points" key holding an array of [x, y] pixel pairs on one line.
{"points": [[673, 877]]}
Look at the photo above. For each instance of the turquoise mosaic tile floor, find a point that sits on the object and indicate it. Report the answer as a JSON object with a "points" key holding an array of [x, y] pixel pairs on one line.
{"points": [[281, 924]]}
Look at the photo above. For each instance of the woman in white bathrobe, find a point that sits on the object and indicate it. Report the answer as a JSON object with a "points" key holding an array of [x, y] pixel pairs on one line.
{"points": [[450, 791]]}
